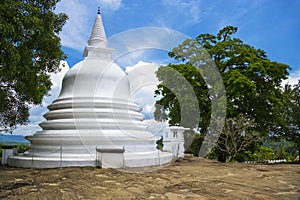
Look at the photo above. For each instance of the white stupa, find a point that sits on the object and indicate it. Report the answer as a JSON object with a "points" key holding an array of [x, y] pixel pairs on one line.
{"points": [[93, 122]]}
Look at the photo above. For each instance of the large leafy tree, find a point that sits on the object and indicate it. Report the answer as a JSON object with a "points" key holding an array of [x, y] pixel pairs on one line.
{"points": [[252, 81], [30, 49], [291, 109]]}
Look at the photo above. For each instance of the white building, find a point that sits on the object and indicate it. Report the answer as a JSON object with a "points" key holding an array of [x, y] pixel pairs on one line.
{"points": [[173, 140], [93, 122]]}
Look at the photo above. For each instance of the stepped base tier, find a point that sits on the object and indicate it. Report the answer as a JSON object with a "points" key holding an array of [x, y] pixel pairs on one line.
{"points": [[93, 122]]}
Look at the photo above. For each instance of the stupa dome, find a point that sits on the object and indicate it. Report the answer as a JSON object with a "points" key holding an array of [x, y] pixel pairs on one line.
{"points": [[94, 77], [97, 75]]}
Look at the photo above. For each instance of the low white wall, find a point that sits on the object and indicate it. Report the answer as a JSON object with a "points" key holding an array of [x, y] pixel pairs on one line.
{"points": [[5, 154]]}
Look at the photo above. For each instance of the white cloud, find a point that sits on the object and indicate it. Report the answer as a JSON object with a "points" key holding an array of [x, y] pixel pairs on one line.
{"points": [[136, 44], [29, 129], [74, 34], [188, 12], [130, 58], [111, 4], [156, 128], [142, 77], [143, 83], [142, 74], [293, 78], [149, 108], [195, 14]]}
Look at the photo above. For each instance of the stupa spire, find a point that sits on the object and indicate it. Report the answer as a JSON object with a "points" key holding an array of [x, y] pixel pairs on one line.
{"points": [[98, 37], [97, 44]]}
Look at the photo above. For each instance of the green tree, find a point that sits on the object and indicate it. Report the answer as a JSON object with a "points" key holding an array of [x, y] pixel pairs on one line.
{"points": [[252, 81], [291, 130], [194, 147], [173, 89], [30, 49]]}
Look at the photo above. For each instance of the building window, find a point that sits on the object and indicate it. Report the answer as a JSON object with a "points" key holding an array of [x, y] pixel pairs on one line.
{"points": [[175, 134], [166, 135]]}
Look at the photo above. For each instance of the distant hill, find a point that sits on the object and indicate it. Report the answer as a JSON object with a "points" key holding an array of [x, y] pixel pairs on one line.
{"points": [[13, 139]]}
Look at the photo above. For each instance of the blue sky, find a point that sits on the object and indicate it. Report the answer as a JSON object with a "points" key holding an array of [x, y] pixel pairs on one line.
{"points": [[272, 25]]}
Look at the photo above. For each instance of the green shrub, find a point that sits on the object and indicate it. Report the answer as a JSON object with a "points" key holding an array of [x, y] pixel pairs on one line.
{"points": [[160, 144], [22, 148], [195, 145]]}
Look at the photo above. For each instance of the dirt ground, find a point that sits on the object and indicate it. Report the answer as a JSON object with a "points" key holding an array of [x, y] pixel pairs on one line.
{"points": [[189, 178]]}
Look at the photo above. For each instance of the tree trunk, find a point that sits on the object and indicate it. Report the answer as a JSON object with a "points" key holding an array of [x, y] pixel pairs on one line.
{"points": [[231, 158], [222, 157]]}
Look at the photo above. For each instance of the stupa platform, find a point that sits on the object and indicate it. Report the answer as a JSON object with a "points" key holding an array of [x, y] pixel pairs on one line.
{"points": [[130, 160]]}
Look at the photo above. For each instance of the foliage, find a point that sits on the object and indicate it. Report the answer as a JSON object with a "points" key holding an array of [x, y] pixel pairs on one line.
{"points": [[160, 144], [261, 153], [195, 145], [22, 148], [30, 49], [280, 146], [252, 83], [270, 149], [251, 80], [179, 97], [291, 110]]}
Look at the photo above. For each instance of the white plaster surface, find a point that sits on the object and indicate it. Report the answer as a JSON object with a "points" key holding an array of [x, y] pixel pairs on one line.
{"points": [[173, 140]]}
